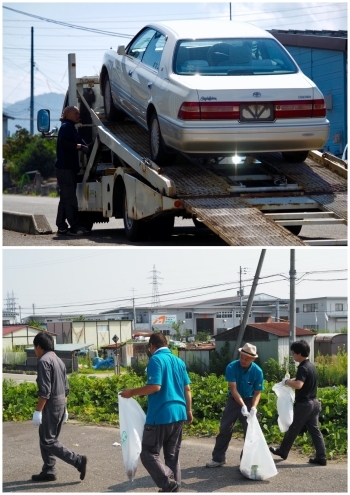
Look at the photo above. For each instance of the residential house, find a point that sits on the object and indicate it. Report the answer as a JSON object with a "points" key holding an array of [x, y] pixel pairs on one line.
{"points": [[271, 340], [19, 336], [322, 313]]}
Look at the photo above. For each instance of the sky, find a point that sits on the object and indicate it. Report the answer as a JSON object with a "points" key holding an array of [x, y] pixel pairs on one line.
{"points": [[90, 281], [66, 28]]}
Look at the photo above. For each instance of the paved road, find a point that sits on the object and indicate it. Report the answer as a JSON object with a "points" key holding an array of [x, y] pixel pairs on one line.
{"points": [[106, 473], [112, 233]]}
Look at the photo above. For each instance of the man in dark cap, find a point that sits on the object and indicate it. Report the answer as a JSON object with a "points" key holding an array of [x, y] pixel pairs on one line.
{"points": [[67, 167], [245, 381]]}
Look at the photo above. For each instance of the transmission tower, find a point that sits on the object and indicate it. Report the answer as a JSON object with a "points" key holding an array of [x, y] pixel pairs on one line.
{"points": [[10, 302], [155, 291]]}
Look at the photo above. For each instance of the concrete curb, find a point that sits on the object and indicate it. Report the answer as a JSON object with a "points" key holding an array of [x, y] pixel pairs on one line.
{"points": [[25, 223]]}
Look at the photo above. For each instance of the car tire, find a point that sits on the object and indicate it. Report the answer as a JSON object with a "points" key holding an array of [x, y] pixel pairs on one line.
{"points": [[135, 230], [111, 113], [156, 145], [295, 156]]}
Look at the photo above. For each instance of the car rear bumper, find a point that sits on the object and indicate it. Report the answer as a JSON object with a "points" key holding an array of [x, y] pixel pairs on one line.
{"points": [[240, 138]]}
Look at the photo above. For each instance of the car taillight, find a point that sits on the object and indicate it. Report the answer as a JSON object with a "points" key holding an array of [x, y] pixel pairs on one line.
{"points": [[299, 109], [189, 111], [209, 111], [319, 108]]}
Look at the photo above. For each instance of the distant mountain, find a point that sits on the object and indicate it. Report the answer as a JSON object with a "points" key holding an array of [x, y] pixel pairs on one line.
{"points": [[21, 111]]}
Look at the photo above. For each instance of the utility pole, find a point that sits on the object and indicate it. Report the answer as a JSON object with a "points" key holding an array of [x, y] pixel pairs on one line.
{"points": [[241, 293], [32, 83], [292, 304], [33, 305], [249, 304], [133, 308], [230, 13]]}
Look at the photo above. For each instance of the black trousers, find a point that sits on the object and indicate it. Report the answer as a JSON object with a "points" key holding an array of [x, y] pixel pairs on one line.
{"points": [[68, 205], [231, 414], [305, 414]]}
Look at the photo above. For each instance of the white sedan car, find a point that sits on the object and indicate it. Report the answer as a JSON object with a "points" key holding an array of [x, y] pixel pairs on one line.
{"points": [[213, 89]]}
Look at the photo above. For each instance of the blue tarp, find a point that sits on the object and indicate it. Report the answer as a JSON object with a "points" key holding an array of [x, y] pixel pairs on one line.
{"points": [[102, 364]]}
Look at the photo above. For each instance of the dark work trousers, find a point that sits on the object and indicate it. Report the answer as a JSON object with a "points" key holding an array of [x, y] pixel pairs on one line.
{"points": [[231, 413], [305, 413], [50, 447], [68, 205], [168, 437]]}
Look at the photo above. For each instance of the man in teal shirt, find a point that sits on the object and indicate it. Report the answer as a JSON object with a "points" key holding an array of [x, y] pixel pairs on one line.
{"points": [[169, 406], [245, 381]]}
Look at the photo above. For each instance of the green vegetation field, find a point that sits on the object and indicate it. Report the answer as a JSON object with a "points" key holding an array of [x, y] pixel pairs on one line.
{"points": [[95, 400]]}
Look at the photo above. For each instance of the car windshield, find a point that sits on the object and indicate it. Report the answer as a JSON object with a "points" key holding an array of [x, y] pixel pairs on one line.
{"points": [[231, 57]]}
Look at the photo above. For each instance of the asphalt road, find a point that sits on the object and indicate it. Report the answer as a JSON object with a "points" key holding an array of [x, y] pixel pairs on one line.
{"points": [[112, 233], [106, 473]]}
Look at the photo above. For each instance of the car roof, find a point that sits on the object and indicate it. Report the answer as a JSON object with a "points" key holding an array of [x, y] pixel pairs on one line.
{"points": [[193, 29]]}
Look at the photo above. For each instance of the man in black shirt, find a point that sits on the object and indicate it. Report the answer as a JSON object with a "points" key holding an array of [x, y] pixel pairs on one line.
{"points": [[51, 412], [306, 407]]}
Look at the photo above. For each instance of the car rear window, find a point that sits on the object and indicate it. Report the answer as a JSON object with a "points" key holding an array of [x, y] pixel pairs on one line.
{"points": [[231, 57]]}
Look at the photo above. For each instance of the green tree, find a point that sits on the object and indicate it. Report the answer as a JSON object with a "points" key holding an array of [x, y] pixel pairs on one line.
{"points": [[202, 337], [24, 152], [35, 323], [219, 360]]}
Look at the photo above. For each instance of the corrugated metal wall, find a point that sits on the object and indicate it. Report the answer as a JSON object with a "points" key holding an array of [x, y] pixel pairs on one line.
{"points": [[327, 68]]}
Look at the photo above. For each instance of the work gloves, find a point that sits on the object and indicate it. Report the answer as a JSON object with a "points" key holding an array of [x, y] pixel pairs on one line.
{"points": [[244, 411], [253, 411], [37, 415]]}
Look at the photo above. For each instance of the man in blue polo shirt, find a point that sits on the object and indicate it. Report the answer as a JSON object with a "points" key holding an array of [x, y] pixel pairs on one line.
{"points": [[169, 406], [245, 381]]}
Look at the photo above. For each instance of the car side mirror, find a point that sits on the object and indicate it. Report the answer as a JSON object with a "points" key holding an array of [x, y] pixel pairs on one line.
{"points": [[121, 50], [43, 121]]}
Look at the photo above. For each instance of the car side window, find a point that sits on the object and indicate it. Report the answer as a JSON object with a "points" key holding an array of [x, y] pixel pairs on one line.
{"points": [[154, 51], [138, 47]]}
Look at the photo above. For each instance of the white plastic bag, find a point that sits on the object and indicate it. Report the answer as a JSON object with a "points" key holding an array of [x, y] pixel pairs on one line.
{"points": [[285, 400], [256, 462], [131, 422]]}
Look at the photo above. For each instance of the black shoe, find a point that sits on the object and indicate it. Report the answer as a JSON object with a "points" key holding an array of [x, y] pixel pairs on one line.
{"points": [[277, 452], [79, 231], [44, 477], [82, 469], [321, 460], [174, 487], [63, 231]]}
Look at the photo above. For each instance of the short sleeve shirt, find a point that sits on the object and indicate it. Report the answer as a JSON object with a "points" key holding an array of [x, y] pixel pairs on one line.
{"points": [[247, 381], [306, 373], [168, 405]]}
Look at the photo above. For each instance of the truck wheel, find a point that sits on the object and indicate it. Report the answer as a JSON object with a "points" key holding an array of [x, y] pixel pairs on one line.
{"points": [[135, 230], [295, 156], [158, 152], [111, 113]]}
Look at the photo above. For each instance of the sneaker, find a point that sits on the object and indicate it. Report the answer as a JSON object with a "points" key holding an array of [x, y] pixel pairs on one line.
{"points": [[82, 468], [212, 464], [79, 231], [277, 452], [63, 231], [173, 487], [318, 460], [44, 477]]}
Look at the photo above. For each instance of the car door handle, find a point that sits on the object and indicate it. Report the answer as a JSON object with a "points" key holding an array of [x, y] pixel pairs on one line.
{"points": [[130, 73], [149, 85]]}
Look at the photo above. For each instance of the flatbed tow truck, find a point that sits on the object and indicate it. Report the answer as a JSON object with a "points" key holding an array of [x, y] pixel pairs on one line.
{"points": [[257, 200]]}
